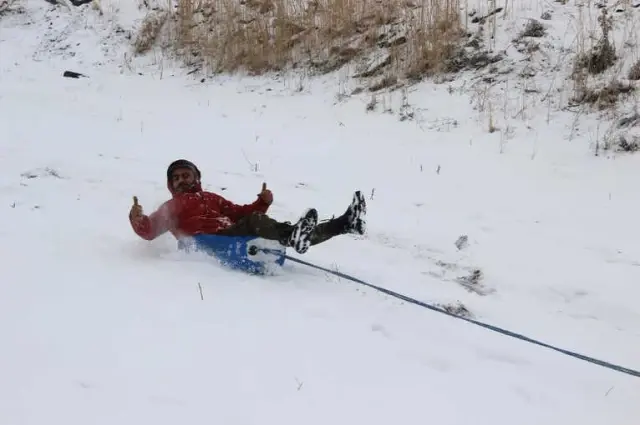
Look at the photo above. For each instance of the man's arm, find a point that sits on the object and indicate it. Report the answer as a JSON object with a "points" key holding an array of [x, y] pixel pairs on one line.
{"points": [[151, 226], [236, 212]]}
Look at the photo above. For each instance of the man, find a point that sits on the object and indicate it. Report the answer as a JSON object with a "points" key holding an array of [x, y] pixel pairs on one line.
{"points": [[193, 211]]}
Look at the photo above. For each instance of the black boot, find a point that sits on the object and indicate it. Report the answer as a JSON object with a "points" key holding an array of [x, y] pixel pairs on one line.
{"points": [[352, 221], [301, 232], [355, 221]]}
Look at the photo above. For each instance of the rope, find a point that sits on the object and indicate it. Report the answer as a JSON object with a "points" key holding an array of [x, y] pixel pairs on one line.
{"points": [[402, 297]]}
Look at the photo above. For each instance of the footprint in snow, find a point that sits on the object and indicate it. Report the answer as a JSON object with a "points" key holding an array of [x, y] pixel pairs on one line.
{"points": [[501, 357], [380, 329]]}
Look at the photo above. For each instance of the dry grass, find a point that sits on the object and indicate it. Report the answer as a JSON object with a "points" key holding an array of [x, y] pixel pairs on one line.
{"points": [[533, 29], [149, 31], [634, 72], [605, 97], [600, 58], [5, 5], [259, 36]]}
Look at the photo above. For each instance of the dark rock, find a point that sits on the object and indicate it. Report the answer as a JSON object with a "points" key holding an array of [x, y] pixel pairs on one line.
{"points": [[71, 74]]}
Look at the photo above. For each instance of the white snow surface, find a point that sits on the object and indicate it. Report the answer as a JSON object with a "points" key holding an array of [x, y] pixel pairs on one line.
{"points": [[100, 327]]}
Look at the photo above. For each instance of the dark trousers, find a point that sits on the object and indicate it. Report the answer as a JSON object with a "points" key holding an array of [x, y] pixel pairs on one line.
{"points": [[263, 226]]}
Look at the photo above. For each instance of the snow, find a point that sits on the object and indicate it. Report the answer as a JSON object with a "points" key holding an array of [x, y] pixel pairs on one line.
{"points": [[101, 327]]}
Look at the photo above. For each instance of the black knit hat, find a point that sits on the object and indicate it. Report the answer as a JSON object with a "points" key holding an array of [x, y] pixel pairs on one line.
{"points": [[182, 163]]}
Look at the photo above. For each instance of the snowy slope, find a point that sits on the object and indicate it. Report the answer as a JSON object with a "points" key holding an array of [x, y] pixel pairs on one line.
{"points": [[100, 327]]}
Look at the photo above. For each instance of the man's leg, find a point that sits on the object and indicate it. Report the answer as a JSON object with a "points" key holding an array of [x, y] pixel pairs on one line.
{"points": [[257, 224], [307, 231], [352, 221], [263, 226], [328, 229], [260, 225]]}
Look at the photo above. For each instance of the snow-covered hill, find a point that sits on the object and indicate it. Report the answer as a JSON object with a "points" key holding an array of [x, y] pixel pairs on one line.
{"points": [[101, 327]]}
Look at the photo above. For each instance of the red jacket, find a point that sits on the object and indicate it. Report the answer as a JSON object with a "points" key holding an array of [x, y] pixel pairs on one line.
{"points": [[189, 214]]}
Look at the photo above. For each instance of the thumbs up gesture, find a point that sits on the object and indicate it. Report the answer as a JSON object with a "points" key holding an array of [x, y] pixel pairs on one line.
{"points": [[265, 195], [136, 213]]}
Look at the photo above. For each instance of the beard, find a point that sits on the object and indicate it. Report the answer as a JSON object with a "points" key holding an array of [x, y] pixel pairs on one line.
{"points": [[186, 188]]}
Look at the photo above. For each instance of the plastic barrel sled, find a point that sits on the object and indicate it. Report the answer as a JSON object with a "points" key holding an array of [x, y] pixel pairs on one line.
{"points": [[244, 253]]}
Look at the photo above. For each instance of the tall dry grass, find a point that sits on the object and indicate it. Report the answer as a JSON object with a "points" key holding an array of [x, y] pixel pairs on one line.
{"points": [[5, 4], [258, 36]]}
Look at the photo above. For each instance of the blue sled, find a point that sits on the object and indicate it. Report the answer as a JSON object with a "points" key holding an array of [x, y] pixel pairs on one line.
{"points": [[247, 253]]}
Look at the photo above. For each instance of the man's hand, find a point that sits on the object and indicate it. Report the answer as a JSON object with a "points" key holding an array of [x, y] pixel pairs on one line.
{"points": [[136, 214], [265, 195]]}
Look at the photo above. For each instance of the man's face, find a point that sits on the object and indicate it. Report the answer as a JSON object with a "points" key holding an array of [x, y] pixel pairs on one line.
{"points": [[183, 180]]}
